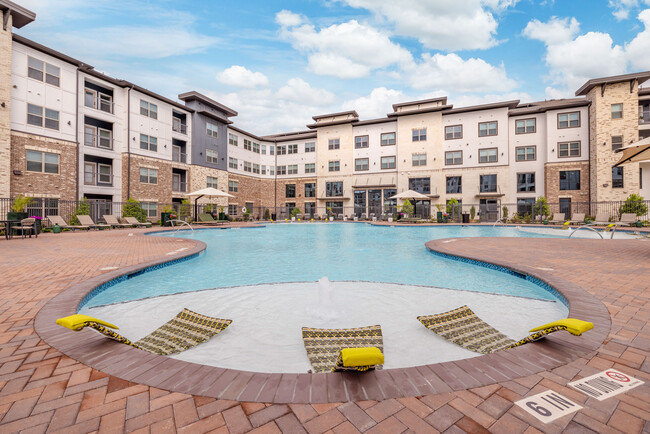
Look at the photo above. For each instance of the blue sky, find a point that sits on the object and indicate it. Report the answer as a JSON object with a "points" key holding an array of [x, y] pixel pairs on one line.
{"points": [[278, 63]]}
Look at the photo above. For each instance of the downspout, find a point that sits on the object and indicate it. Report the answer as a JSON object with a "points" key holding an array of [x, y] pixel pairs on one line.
{"points": [[275, 180], [128, 142], [76, 139]]}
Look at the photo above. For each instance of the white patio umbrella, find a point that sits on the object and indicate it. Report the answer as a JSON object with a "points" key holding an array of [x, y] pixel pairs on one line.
{"points": [[208, 192], [411, 194], [639, 151]]}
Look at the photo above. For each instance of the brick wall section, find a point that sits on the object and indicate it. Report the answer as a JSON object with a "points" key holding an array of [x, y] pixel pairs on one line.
{"points": [[248, 191], [601, 129], [552, 182], [300, 199], [198, 180], [161, 192], [5, 112], [37, 184]]}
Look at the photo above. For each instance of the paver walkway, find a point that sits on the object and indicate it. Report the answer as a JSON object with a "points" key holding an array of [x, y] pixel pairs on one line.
{"points": [[44, 390]]}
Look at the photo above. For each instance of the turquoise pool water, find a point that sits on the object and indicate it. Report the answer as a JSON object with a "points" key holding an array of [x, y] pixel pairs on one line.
{"points": [[307, 252]]}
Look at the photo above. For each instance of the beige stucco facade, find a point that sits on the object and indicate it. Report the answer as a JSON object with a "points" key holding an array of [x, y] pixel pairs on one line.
{"points": [[5, 110]]}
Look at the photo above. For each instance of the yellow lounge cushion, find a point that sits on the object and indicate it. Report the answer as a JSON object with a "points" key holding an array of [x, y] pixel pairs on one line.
{"points": [[365, 356], [573, 326], [78, 322]]}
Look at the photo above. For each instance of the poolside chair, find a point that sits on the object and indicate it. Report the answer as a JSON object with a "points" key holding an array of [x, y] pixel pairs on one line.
{"points": [[363, 216], [88, 222], [207, 219], [186, 330], [339, 217], [578, 218], [114, 222], [316, 217], [298, 216], [326, 348], [558, 217], [26, 226], [601, 219], [134, 222], [58, 220], [463, 327], [628, 219]]}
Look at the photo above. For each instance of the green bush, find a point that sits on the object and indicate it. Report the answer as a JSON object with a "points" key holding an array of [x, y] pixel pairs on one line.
{"points": [[20, 203], [472, 212], [634, 204], [450, 205], [505, 212], [185, 209], [295, 211], [132, 208], [407, 208], [541, 207], [82, 209], [267, 214]]}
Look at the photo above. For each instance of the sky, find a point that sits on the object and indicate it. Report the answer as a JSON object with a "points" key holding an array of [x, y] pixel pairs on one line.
{"points": [[278, 63]]}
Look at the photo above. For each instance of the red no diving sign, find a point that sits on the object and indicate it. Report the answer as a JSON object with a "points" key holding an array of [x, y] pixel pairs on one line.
{"points": [[605, 384]]}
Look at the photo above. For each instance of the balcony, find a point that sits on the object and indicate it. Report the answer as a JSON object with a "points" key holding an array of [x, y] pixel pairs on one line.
{"points": [[179, 127], [644, 119], [178, 156], [98, 178], [101, 140], [100, 102], [179, 186]]}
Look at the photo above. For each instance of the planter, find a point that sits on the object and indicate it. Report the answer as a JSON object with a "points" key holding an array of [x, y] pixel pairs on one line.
{"points": [[164, 219], [439, 217], [390, 219], [445, 219], [639, 224], [222, 216], [331, 219], [17, 216], [545, 221], [56, 229], [588, 221]]}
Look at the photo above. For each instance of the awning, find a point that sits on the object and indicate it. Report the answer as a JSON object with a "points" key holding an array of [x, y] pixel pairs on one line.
{"points": [[639, 151]]}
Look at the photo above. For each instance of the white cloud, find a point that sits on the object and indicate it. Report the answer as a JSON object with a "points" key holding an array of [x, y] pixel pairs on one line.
{"points": [[375, 105], [451, 71], [638, 49], [239, 76], [346, 50], [442, 25], [622, 8], [299, 91], [554, 31]]}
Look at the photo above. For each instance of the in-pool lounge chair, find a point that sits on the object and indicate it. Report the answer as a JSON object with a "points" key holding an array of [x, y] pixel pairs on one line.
{"points": [[463, 327], [558, 217], [114, 222], [134, 222], [578, 218], [628, 219], [58, 220], [184, 331], [356, 349], [601, 219], [88, 222]]}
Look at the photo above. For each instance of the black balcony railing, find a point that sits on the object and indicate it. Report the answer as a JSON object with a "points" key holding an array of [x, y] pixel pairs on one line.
{"points": [[100, 103], [98, 141], [179, 157], [98, 179], [179, 128], [179, 187]]}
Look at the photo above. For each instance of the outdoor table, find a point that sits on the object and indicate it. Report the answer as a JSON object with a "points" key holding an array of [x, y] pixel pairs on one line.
{"points": [[8, 224]]}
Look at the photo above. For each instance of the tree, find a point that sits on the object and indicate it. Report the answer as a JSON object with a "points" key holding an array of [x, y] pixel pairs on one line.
{"points": [[451, 203], [83, 208], [132, 208], [295, 211], [472, 212], [541, 207], [407, 208], [634, 204]]}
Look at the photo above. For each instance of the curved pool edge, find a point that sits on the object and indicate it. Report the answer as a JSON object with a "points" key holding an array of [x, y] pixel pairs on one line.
{"points": [[166, 373]]}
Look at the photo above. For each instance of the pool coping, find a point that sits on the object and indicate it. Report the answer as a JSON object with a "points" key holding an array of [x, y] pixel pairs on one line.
{"points": [[166, 373]]}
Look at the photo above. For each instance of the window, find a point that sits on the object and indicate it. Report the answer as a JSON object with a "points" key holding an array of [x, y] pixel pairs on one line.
{"points": [[525, 182], [454, 184], [292, 149], [150, 208], [232, 210], [310, 147], [419, 134], [263, 149], [211, 181], [568, 120], [336, 207], [248, 145], [282, 170], [617, 111], [290, 190], [617, 177], [233, 139], [148, 176], [256, 148], [487, 155], [45, 162], [387, 162], [333, 189], [148, 109], [569, 180], [96, 100], [568, 149], [525, 126], [453, 158], [263, 169], [310, 208], [421, 185], [271, 170], [525, 153], [233, 186], [282, 150], [525, 206], [212, 130], [334, 166], [488, 183], [310, 168], [36, 68], [211, 156], [97, 174], [292, 169], [361, 164], [333, 144], [387, 139], [487, 129], [617, 143], [97, 137], [271, 150], [256, 168], [248, 167], [419, 160], [233, 163], [361, 142], [149, 143], [35, 117], [310, 189], [453, 132]]}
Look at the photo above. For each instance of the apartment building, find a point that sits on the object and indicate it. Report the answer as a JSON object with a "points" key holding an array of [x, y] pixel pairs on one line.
{"points": [[69, 132]]}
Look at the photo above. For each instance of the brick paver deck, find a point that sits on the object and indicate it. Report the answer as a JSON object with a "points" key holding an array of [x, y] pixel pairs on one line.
{"points": [[42, 389]]}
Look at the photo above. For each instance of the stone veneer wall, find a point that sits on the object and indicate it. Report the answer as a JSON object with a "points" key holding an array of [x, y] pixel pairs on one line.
{"points": [[198, 180], [5, 112], [601, 129], [300, 199], [62, 185], [160, 193], [552, 181]]}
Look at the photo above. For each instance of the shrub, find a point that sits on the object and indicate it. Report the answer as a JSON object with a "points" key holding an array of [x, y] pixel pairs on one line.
{"points": [[132, 208], [295, 211], [407, 208], [450, 205], [505, 212], [185, 209], [82, 209], [634, 204], [541, 207], [515, 218], [472, 212], [20, 203], [267, 214]]}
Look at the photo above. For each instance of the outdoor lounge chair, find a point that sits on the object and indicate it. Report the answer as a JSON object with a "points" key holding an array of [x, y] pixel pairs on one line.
{"points": [[134, 222], [628, 219], [558, 217], [578, 218], [58, 220], [316, 217], [88, 222], [601, 219], [363, 216], [186, 330], [328, 349], [463, 327], [339, 217], [114, 222], [206, 219]]}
